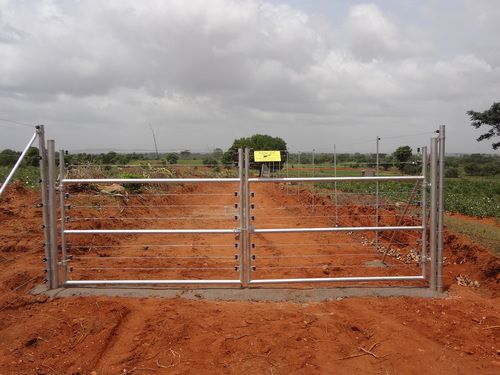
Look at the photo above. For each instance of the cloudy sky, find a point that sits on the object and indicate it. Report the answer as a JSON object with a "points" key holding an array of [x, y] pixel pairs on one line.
{"points": [[98, 74]]}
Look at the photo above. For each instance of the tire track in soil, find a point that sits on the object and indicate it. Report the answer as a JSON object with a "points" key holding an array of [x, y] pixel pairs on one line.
{"points": [[114, 336]]}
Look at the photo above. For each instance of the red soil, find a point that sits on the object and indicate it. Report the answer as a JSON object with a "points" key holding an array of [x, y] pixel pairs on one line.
{"points": [[456, 334]]}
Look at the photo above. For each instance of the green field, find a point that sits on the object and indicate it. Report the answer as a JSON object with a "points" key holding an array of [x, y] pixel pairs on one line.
{"points": [[473, 196]]}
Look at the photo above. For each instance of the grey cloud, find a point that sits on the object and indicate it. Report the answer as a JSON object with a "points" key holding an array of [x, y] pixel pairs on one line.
{"points": [[208, 72]]}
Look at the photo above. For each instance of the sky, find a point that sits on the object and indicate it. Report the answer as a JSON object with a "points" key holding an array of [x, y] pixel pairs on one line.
{"points": [[101, 74]]}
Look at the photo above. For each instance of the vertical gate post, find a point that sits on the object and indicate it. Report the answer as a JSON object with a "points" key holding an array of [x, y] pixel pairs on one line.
{"points": [[335, 185], [42, 151], [423, 255], [433, 214], [377, 202], [248, 228], [440, 233], [241, 209], [62, 208], [51, 184]]}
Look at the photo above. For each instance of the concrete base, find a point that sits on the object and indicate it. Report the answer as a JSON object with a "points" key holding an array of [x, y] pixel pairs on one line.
{"points": [[251, 294]]}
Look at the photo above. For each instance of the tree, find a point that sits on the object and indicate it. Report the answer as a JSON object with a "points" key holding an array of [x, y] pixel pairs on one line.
{"points": [[32, 157], [451, 172], [257, 142], [218, 154], [489, 117], [402, 155], [8, 156], [172, 158]]}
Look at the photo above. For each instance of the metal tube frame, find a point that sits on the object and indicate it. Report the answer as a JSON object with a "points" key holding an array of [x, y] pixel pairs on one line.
{"points": [[248, 226], [337, 279], [377, 203], [242, 240], [246, 230], [334, 229], [42, 151], [335, 185], [423, 254], [145, 180], [440, 221], [152, 231], [433, 214], [79, 283], [338, 179], [53, 261], [18, 163], [337, 229], [242, 229], [62, 210]]}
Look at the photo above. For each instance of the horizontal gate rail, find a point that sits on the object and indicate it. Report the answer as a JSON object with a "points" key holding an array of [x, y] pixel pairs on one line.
{"points": [[335, 229], [337, 279], [337, 179], [76, 283], [145, 180], [152, 231]]}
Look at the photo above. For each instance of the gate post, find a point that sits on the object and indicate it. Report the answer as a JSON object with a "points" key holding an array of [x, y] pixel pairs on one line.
{"points": [[62, 210], [440, 221], [243, 231], [52, 215], [425, 184], [433, 214], [42, 151], [248, 215]]}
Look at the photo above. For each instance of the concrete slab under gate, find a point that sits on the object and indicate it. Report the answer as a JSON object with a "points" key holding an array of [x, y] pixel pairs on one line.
{"points": [[238, 294]]}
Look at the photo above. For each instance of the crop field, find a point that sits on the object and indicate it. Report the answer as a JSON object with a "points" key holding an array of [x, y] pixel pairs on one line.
{"points": [[109, 335]]}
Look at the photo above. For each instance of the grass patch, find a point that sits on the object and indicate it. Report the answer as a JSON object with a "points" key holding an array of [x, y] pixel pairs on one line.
{"points": [[483, 234], [28, 174]]}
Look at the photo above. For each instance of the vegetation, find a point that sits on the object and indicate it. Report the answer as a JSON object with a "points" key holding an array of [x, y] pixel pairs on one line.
{"points": [[255, 142], [402, 156], [472, 181], [490, 117], [483, 234], [172, 158]]}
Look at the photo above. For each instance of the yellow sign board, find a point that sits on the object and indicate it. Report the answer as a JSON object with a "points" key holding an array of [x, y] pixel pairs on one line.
{"points": [[263, 156]]}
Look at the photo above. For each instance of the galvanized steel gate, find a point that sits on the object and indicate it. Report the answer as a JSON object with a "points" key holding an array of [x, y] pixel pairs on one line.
{"points": [[430, 228]]}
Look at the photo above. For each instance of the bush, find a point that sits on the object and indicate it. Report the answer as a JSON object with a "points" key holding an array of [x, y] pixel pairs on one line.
{"points": [[131, 186], [210, 161], [485, 169], [451, 172], [172, 158]]}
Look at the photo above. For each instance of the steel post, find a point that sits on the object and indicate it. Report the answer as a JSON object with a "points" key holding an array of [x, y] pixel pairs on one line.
{"points": [[377, 209], [42, 151], [335, 184], [62, 203], [314, 175], [248, 215], [241, 210], [423, 254], [53, 261], [440, 230], [433, 214]]}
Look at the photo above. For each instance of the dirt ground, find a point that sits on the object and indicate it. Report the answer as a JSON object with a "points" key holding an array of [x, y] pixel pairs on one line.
{"points": [[103, 335]]}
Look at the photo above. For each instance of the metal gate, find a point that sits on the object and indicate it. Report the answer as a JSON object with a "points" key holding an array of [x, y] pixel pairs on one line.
{"points": [[355, 252]]}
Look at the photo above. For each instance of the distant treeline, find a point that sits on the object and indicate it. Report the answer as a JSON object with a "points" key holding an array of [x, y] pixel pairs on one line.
{"points": [[456, 166]]}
